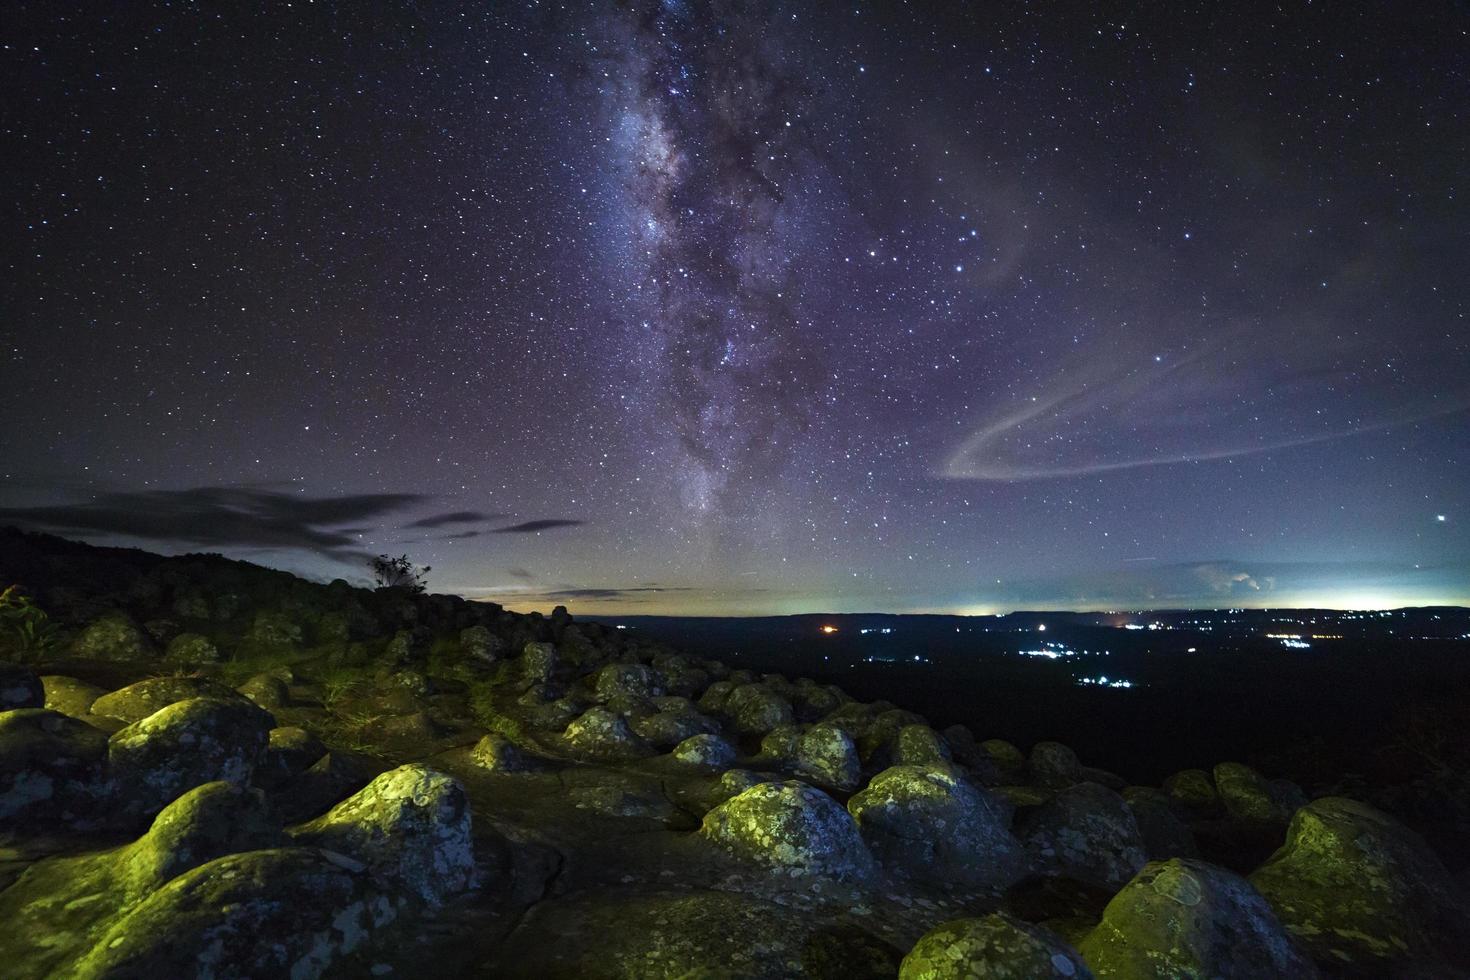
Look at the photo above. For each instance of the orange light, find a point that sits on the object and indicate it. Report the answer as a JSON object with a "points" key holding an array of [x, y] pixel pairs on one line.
{"points": [[829, 629]]}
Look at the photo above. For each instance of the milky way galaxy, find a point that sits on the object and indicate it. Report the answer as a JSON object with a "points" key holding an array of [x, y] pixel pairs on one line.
{"points": [[750, 307]]}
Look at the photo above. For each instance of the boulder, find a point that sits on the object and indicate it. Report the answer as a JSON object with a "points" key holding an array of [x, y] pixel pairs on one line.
{"points": [[186, 744], [538, 663], [705, 750], [50, 769], [274, 630], [1186, 918], [481, 647], [1249, 797], [266, 690], [792, 829], [326, 782], [1364, 893], [715, 695], [205, 823], [628, 680], [778, 746], [600, 734], [496, 753], [411, 824], [931, 824], [915, 745], [668, 728], [287, 912], [1164, 834], [291, 750], [113, 637], [996, 947], [1054, 765], [137, 701], [754, 709], [20, 688], [1008, 761], [828, 756], [70, 696], [191, 650], [1086, 832], [1193, 792]]}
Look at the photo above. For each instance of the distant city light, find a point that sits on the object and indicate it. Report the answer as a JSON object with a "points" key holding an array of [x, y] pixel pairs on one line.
{"points": [[829, 629], [1104, 681], [1041, 628]]}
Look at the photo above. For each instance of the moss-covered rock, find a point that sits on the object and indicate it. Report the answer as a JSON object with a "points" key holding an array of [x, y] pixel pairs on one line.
{"points": [[827, 755], [1193, 792], [287, 912], [70, 696], [790, 829], [754, 709], [932, 824], [1189, 919], [1009, 762], [538, 662], [205, 823], [665, 729], [601, 734], [778, 746], [291, 750], [481, 648], [20, 688], [1054, 766], [186, 744], [191, 650], [1164, 834], [1363, 893], [996, 947], [50, 770], [706, 750], [267, 691], [629, 680], [411, 824], [1088, 833], [496, 753], [113, 637], [137, 701], [274, 630], [1249, 797]]}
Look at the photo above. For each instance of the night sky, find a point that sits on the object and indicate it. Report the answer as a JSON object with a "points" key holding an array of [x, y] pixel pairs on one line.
{"points": [[729, 308]]}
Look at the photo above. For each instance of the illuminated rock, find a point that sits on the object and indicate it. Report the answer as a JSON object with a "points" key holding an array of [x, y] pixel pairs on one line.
{"points": [[1054, 765], [790, 829], [137, 701], [1088, 833], [996, 947], [707, 750], [205, 823], [1164, 834], [827, 755]]}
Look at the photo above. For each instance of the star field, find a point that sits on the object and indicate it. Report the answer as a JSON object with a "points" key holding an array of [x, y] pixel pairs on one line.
{"points": [[688, 307]]}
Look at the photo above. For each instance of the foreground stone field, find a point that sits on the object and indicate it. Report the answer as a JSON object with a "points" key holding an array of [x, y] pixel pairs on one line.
{"points": [[217, 770]]}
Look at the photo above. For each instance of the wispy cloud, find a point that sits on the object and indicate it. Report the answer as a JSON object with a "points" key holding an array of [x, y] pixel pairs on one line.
{"points": [[530, 527]]}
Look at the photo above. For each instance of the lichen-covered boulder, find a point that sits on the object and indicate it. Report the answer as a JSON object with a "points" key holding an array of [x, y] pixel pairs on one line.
{"points": [[205, 823], [481, 647], [1364, 893], [754, 709], [791, 829], [1088, 833], [1193, 792], [629, 680], [274, 630], [287, 912], [1054, 765], [496, 753], [411, 824], [715, 695], [827, 755], [1248, 796], [601, 734], [664, 729], [1164, 834], [1008, 760], [912, 745], [291, 750], [20, 688], [1186, 918], [137, 701], [113, 637], [266, 690], [50, 768], [933, 825], [706, 750], [538, 662], [186, 744], [778, 746], [191, 650], [70, 696], [996, 947]]}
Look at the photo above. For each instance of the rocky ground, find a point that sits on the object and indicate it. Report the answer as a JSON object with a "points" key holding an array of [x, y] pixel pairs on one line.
{"points": [[212, 769]]}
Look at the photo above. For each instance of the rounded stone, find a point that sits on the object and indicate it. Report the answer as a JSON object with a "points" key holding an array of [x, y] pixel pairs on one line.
{"points": [[996, 947], [791, 829]]}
